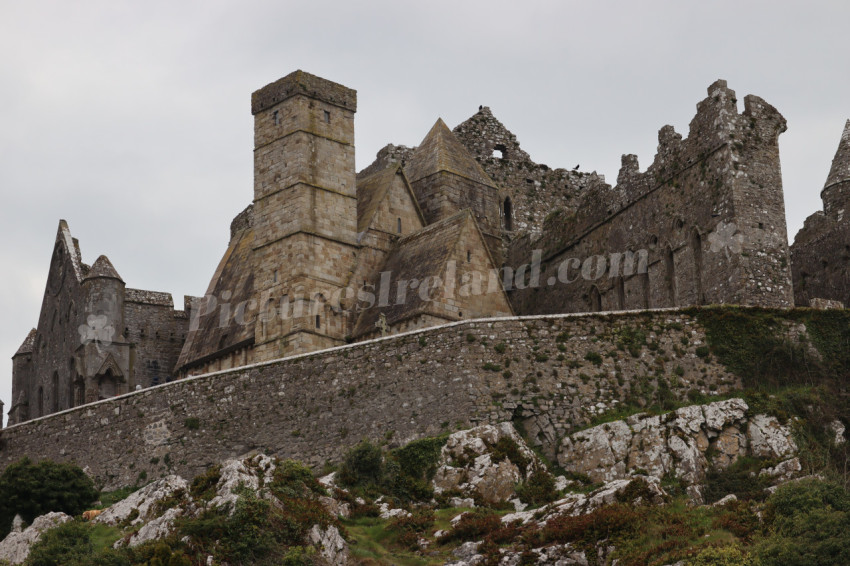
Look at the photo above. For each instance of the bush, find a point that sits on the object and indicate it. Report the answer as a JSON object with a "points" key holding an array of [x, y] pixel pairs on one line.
{"points": [[507, 448], [809, 522], [32, 489], [741, 479], [539, 489], [585, 530], [722, 556], [294, 479], [411, 529], [70, 544], [473, 526], [203, 486], [363, 465]]}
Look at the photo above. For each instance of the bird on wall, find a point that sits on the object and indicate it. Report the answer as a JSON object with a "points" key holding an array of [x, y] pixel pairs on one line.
{"points": [[576, 167]]}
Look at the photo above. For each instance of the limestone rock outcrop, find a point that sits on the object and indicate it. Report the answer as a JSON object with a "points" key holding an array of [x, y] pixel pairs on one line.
{"points": [[485, 462], [142, 504], [16, 546], [685, 443]]}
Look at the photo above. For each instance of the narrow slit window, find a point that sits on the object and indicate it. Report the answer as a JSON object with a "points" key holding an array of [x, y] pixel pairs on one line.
{"points": [[318, 321], [276, 117], [327, 117], [399, 225], [468, 256]]}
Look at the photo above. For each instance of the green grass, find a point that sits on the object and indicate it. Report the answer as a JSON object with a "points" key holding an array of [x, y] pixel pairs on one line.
{"points": [[104, 536], [372, 542]]}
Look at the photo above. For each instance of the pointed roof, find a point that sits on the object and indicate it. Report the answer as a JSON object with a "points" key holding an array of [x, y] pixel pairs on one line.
{"points": [[840, 170], [72, 245], [372, 190], [29, 344], [233, 283], [103, 268], [425, 253], [442, 151]]}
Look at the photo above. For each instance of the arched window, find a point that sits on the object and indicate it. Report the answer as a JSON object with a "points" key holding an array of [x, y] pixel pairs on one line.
{"points": [[509, 211], [620, 287], [41, 401], [595, 299], [696, 248], [107, 385], [54, 398], [670, 277]]}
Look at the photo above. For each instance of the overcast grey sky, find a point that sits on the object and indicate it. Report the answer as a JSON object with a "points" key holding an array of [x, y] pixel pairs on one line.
{"points": [[131, 120]]}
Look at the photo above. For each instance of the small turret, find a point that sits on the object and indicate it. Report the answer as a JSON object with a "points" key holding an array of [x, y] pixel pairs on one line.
{"points": [[836, 190], [105, 293]]}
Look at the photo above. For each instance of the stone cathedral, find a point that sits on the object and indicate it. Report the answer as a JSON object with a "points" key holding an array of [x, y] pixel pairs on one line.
{"points": [[465, 225]]}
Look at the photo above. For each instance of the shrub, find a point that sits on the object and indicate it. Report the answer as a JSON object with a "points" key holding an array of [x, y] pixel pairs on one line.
{"points": [[294, 479], [539, 489], [809, 522], [585, 530], [411, 529], [363, 465], [594, 358], [71, 544], [256, 531], [473, 526], [741, 479], [507, 448], [722, 556], [203, 486], [32, 489]]}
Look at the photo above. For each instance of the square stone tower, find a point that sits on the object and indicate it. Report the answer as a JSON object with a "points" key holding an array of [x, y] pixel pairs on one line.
{"points": [[305, 212]]}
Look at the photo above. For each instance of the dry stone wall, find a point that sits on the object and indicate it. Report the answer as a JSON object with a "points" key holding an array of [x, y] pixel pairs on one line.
{"points": [[547, 374]]}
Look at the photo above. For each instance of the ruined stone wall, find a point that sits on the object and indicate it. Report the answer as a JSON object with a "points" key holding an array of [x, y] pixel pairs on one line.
{"points": [[528, 191], [548, 373], [157, 333], [708, 216], [820, 256]]}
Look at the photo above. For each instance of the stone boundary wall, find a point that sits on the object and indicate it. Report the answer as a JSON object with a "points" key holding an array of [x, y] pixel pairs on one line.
{"points": [[549, 374]]}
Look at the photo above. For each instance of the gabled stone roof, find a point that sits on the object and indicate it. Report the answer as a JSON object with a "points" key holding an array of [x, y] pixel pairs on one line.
{"points": [[103, 268], [372, 190], [232, 283], [840, 170], [442, 151], [424, 253], [29, 344]]}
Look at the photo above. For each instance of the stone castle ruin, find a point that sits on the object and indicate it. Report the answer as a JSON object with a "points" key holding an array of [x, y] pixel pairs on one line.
{"points": [[463, 226]]}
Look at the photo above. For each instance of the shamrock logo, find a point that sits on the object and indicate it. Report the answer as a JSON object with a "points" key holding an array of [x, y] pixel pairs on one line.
{"points": [[98, 330], [726, 238]]}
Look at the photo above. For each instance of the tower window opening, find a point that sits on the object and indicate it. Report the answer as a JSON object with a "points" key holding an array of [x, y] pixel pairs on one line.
{"points": [[399, 225], [509, 214], [276, 117], [318, 321], [327, 117], [275, 276], [468, 256], [499, 151]]}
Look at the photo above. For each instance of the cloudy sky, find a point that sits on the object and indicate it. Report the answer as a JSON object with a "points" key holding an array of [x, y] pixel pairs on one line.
{"points": [[131, 120]]}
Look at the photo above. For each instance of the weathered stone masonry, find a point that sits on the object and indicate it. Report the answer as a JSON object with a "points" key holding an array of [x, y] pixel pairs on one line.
{"points": [[548, 373]]}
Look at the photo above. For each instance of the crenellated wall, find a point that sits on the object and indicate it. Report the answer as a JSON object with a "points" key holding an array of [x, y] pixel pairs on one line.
{"points": [[708, 217]]}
